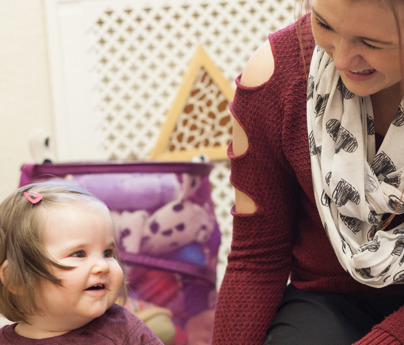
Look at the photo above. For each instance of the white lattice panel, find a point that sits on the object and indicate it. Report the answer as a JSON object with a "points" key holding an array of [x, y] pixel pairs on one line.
{"points": [[117, 65]]}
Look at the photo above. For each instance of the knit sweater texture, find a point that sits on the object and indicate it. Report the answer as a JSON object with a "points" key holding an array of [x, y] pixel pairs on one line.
{"points": [[117, 326], [284, 239]]}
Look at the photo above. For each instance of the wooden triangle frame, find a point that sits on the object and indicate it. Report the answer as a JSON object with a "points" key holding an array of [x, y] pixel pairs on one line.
{"points": [[199, 60]]}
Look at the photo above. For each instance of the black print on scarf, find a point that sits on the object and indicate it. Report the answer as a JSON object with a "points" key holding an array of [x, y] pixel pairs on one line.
{"points": [[321, 103], [325, 199], [398, 120], [371, 125], [395, 204], [399, 277], [371, 184], [314, 150], [328, 178], [366, 273], [310, 87], [344, 91], [345, 245], [345, 192], [394, 180], [385, 271], [398, 246], [372, 232], [343, 138], [328, 63], [399, 231], [372, 218], [353, 224], [383, 165], [372, 246]]}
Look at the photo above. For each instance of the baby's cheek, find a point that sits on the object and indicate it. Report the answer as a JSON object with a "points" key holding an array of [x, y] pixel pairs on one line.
{"points": [[117, 273]]}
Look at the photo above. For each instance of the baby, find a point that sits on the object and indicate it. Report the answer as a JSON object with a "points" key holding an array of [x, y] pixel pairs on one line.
{"points": [[59, 271]]}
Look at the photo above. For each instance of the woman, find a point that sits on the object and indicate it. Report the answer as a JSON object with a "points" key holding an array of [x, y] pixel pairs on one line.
{"points": [[315, 188]]}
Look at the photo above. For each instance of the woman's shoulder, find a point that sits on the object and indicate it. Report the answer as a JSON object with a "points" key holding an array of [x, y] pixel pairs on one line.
{"points": [[285, 48], [259, 67]]}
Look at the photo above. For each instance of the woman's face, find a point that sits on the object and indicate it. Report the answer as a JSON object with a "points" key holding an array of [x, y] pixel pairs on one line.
{"points": [[361, 37]]}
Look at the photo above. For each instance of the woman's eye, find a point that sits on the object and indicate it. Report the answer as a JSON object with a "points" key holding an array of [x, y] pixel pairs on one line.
{"points": [[79, 254], [109, 253], [369, 45], [323, 26]]}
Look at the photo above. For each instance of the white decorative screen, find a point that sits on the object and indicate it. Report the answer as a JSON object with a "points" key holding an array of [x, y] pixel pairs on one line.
{"points": [[116, 68]]}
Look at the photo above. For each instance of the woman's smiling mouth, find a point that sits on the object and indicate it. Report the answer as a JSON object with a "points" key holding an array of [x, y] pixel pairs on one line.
{"points": [[366, 71]]}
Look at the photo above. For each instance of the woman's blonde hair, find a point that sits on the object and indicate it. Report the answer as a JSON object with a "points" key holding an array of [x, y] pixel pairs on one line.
{"points": [[21, 244]]}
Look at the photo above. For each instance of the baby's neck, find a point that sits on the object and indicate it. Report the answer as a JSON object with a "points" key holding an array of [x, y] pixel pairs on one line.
{"points": [[29, 331]]}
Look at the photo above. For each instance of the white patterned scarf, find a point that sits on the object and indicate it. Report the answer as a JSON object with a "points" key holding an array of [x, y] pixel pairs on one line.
{"points": [[353, 184]]}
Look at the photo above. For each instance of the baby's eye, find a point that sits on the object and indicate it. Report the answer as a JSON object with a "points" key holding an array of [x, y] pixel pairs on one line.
{"points": [[109, 253], [79, 254]]}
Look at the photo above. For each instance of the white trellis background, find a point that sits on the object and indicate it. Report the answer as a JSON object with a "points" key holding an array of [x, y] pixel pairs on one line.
{"points": [[116, 67]]}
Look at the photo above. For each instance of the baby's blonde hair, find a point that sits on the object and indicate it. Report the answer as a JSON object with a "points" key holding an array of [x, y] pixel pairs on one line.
{"points": [[21, 244]]}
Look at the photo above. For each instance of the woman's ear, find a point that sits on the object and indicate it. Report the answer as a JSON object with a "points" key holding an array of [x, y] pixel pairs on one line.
{"points": [[16, 290]]}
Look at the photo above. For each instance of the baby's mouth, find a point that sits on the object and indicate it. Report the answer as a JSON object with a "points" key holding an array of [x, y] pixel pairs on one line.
{"points": [[96, 287]]}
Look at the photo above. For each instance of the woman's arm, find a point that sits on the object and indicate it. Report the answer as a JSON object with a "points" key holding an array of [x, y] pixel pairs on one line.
{"points": [[259, 262], [388, 332], [258, 70]]}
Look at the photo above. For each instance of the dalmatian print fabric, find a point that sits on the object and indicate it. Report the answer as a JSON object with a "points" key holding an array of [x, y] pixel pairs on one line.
{"points": [[353, 184]]}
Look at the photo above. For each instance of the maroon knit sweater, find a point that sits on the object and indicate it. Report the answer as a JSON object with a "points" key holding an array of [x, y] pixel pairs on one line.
{"points": [[284, 236]]}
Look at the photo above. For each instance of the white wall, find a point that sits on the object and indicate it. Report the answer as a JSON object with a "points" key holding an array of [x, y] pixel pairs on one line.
{"points": [[25, 99]]}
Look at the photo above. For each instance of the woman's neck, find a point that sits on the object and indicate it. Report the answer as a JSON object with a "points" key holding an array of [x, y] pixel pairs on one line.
{"points": [[385, 104]]}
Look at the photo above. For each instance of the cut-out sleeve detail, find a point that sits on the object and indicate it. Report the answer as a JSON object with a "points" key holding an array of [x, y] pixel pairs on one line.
{"points": [[258, 71], [260, 260], [244, 203]]}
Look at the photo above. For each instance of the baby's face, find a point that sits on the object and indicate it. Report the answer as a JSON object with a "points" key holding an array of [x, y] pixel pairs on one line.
{"points": [[83, 237]]}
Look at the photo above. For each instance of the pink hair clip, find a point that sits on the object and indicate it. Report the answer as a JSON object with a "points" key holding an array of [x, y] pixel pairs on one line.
{"points": [[33, 197]]}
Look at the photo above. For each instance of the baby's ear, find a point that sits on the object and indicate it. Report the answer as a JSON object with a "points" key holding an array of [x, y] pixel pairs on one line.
{"points": [[3, 273], [16, 290]]}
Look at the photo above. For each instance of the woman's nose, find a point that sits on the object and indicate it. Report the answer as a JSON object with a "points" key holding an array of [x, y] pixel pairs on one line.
{"points": [[345, 55]]}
